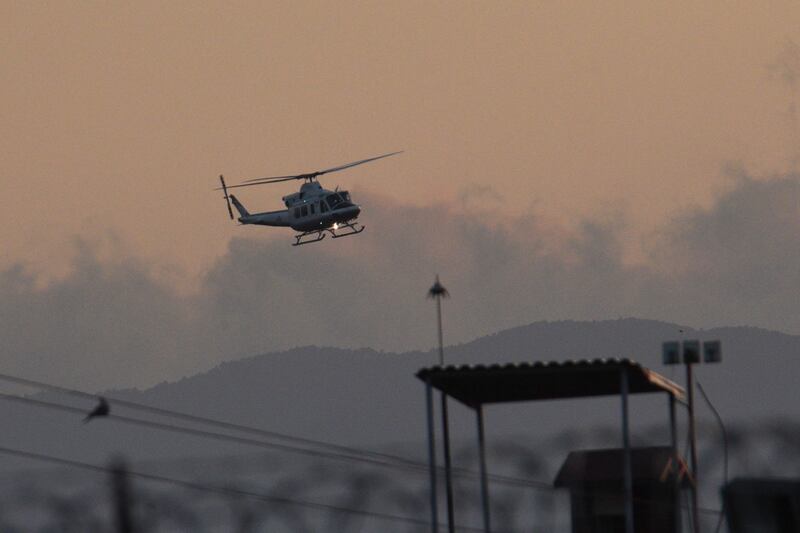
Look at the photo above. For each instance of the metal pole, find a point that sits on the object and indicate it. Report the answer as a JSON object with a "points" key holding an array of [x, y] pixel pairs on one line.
{"points": [[448, 467], [626, 443], [439, 317], [122, 497], [692, 447], [673, 432], [432, 458], [487, 527]]}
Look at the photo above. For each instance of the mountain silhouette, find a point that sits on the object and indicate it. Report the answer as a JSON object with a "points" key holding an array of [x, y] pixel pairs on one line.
{"points": [[371, 399]]}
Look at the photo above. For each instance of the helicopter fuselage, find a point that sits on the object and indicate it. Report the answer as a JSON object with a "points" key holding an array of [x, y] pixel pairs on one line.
{"points": [[311, 209], [313, 212]]}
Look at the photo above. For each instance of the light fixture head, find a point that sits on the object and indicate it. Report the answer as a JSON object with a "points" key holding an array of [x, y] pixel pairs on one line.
{"points": [[671, 353], [691, 352], [712, 352]]}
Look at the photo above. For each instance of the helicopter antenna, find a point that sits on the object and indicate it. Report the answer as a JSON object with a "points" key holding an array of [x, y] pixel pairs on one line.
{"points": [[309, 176], [227, 198]]}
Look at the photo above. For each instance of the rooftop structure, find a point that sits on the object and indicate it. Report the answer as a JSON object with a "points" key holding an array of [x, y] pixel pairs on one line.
{"points": [[595, 481], [477, 385]]}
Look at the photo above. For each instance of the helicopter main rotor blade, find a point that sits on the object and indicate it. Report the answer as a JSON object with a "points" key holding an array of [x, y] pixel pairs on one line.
{"points": [[308, 175], [355, 163], [277, 178], [289, 178]]}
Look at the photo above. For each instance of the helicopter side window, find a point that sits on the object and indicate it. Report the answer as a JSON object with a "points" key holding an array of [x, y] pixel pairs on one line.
{"points": [[296, 212], [312, 209], [305, 210], [322, 207]]}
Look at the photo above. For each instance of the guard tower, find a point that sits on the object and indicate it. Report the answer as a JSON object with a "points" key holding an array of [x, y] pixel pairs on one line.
{"points": [[476, 386], [594, 479]]}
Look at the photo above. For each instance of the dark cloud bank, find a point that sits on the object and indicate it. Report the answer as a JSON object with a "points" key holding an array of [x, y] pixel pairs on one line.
{"points": [[111, 324]]}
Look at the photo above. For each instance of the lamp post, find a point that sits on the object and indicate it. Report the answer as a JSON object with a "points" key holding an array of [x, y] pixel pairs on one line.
{"points": [[438, 292], [688, 353]]}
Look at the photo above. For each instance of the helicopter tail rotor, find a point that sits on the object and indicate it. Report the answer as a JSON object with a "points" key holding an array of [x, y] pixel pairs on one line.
{"points": [[227, 197]]}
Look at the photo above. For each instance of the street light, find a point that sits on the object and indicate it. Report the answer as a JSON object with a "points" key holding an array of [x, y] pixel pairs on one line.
{"points": [[688, 353], [437, 292]]}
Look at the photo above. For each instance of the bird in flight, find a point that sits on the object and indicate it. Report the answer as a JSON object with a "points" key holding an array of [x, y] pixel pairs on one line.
{"points": [[102, 409]]}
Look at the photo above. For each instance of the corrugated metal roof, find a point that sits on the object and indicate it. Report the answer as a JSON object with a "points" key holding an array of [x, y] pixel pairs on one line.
{"points": [[544, 380]]}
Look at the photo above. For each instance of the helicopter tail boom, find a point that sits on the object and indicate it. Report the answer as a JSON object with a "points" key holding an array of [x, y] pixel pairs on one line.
{"points": [[239, 207]]}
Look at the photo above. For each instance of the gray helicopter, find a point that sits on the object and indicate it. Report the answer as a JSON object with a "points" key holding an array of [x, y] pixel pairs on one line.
{"points": [[312, 212]]}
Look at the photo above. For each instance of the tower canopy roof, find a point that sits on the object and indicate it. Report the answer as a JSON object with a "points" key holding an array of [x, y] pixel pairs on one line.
{"points": [[540, 380]]}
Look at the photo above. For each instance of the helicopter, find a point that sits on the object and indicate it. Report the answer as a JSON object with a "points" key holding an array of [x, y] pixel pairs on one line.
{"points": [[313, 211]]}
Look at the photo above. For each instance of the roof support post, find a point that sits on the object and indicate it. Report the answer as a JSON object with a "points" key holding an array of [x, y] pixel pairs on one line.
{"points": [[626, 444], [448, 467], [693, 448], [487, 527], [432, 457], [676, 464]]}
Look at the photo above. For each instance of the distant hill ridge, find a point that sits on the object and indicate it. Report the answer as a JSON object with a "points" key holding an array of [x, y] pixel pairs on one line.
{"points": [[638, 339], [369, 398]]}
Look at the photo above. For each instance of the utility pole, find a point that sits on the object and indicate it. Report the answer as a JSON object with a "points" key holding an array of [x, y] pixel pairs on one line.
{"points": [[688, 353], [121, 497], [437, 292], [692, 434]]}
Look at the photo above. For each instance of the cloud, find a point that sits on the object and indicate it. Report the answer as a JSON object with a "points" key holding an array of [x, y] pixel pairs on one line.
{"points": [[738, 261], [110, 323], [787, 64]]}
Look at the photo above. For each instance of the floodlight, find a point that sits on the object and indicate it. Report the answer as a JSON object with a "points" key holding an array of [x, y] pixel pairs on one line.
{"points": [[671, 353], [691, 352], [712, 352]]}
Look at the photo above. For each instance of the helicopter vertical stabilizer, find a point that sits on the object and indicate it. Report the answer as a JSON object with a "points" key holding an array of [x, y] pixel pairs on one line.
{"points": [[239, 207]]}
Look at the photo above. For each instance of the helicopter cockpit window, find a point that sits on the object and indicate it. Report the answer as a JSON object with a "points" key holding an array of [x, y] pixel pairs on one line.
{"points": [[333, 200], [345, 196]]}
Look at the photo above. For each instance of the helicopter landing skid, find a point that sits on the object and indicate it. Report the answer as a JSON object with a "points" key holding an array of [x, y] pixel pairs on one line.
{"points": [[316, 236], [344, 230], [351, 228]]}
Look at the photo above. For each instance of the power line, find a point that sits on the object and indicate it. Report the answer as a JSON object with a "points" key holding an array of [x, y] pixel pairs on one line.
{"points": [[228, 491], [725, 448], [402, 463], [343, 452], [507, 480], [206, 420], [196, 432], [407, 465]]}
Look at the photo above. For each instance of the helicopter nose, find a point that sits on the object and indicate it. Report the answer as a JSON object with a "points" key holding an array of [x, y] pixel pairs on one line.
{"points": [[346, 212], [350, 211]]}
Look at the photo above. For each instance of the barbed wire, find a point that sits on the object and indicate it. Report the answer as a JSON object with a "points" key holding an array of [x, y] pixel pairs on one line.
{"points": [[227, 491]]}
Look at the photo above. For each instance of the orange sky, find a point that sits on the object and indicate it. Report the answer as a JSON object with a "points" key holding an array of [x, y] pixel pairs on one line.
{"points": [[117, 118]]}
